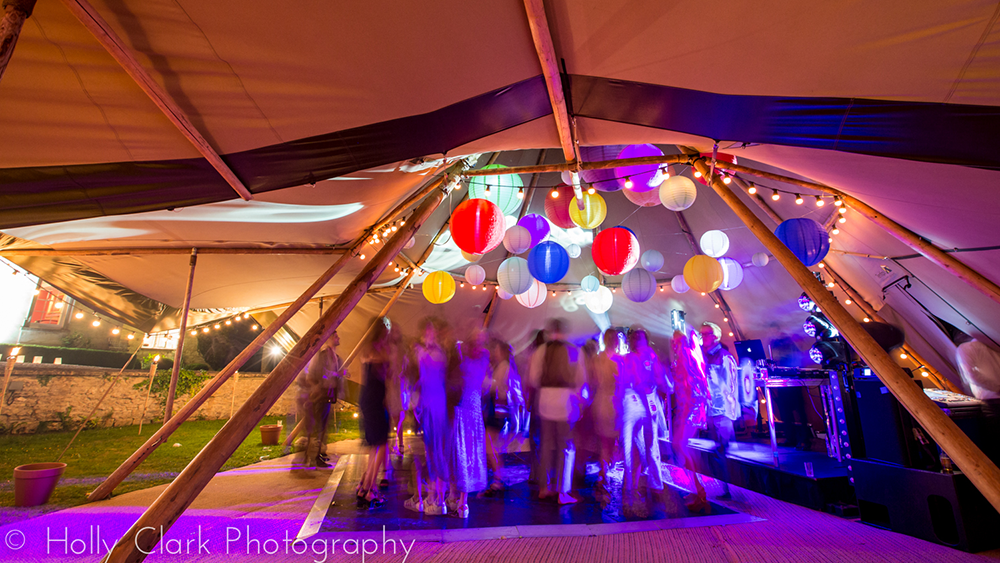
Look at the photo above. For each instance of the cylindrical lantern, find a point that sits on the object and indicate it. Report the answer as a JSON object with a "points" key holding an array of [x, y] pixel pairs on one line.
{"points": [[410, 243], [517, 239], [714, 243], [537, 226], [651, 260], [473, 258], [760, 259], [513, 275], [615, 251], [639, 285], [678, 284], [643, 176], [603, 179], [590, 284], [535, 295], [557, 208], [703, 273], [505, 295], [593, 213], [805, 238], [548, 262], [503, 189], [732, 273], [574, 250], [599, 301], [719, 157], [439, 287], [677, 193], [643, 199], [475, 274], [477, 226]]}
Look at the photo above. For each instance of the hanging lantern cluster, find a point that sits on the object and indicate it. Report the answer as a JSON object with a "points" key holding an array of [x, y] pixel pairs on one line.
{"points": [[502, 189]]}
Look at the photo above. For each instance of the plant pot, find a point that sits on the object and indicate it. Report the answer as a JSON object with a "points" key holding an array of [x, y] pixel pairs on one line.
{"points": [[269, 434], [34, 482]]}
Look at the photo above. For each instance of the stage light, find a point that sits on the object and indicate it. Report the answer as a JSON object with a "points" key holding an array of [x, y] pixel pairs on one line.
{"points": [[806, 304]]}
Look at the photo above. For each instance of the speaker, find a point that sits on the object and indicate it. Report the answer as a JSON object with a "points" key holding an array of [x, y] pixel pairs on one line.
{"points": [[887, 428]]}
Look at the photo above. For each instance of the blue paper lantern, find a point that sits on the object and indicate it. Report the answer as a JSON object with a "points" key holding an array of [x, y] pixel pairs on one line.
{"points": [[548, 262], [805, 238]]}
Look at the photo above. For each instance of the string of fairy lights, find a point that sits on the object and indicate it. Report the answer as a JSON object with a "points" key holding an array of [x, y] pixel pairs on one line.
{"points": [[218, 324]]}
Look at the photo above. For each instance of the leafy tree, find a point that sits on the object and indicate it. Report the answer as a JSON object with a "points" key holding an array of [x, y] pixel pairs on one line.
{"points": [[219, 347]]}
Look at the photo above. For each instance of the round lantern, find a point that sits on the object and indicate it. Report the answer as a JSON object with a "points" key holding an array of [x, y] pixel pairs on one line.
{"points": [[719, 157], [477, 226], [599, 301], [538, 227], [557, 208], [505, 295], [475, 274], [604, 179], [439, 287], [678, 284], [703, 273], [651, 260], [760, 259], [473, 258], [574, 250], [639, 285], [503, 189], [509, 221], [714, 243], [517, 239], [615, 251], [805, 238], [593, 213], [548, 262], [643, 199], [513, 275], [410, 243], [732, 273], [535, 295], [643, 176], [677, 193], [590, 284]]}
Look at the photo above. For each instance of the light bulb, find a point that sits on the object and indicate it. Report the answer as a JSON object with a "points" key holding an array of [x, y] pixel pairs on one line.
{"points": [[130, 336], [841, 210], [591, 190], [554, 194], [484, 287], [78, 315], [628, 183], [842, 220], [925, 374], [58, 305], [461, 284], [716, 305], [798, 199], [473, 287], [727, 180], [752, 189], [837, 201], [194, 333], [902, 355], [847, 301], [835, 231], [217, 326], [775, 196], [254, 327], [725, 319], [395, 228], [96, 322], [402, 222], [246, 315], [487, 191], [703, 293], [205, 330], [819, 201], [520, 193], [661, 288], [822, 265], [866, 319], [362, 256], [730, 334], [116, 330], [228, 322], [697, 174]]}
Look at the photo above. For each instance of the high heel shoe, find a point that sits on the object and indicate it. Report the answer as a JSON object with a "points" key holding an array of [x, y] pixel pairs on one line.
{"points": [[375, 500], [363, 498]]}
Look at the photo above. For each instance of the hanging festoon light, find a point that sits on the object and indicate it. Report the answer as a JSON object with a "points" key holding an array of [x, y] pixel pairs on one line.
{"points": [[598, 302], [714, 243], [805, 238], [439, 287], [548, 262], [534, 296], [678, 284], [557, 209], [538, 227], [703, 273], [513, 275], [719, 157], [643, 176], [651, 260], [603, 179], [678, 193], [615, 251], [477, 226], [504, 294], [732, 273], [593, 213], [517, 239], [760, 259], [639, 285], [471, 258], [590, 284], [475, 274], [501, 189], [574, 250], [643, 199]]}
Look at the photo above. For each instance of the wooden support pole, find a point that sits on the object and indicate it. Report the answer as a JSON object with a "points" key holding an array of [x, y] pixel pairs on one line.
{"points": [[542, 37], [160, 516], [15, 12], [152, 374], [983, 473], [232, 399], [185, 309], [7, 370]]}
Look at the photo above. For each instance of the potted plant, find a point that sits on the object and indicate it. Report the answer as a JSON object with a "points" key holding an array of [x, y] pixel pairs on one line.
{"points": [[34, 482]]}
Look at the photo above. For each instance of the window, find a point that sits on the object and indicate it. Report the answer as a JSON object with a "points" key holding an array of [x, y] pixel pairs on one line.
{"points": [[49, 309]]}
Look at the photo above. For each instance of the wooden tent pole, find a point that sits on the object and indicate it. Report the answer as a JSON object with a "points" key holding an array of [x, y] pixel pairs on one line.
{"points": [[185, 309], [157, 519], [232, 399], [152, 374], [983, 473], [15, 12], [542, 38]]}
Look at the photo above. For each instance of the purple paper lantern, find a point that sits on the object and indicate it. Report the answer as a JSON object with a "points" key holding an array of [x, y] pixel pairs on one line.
{"points": [[805, 238], [537, 226], [641, 175], [605, 179]]}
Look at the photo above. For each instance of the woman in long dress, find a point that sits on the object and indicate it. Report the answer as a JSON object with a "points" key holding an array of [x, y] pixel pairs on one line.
{"points": [[430, 361], [606, 409], [468, 452], [691, 394], [379, 361], [501, 402]]}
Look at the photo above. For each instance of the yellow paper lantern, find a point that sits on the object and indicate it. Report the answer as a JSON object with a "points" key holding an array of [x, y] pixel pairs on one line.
{"points": [[593, 213], [469, 257], [439, 287], [703, 273]]}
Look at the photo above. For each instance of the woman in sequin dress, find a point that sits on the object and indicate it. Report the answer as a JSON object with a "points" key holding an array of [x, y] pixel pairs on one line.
{"points": [[468, 451], [431, 362]]}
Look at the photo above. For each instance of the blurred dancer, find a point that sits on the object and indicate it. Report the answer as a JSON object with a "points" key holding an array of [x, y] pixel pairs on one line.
{"points": [[319, 386], [606, 409], [430, 362], [724, 408], [691, 394], [379, 361], [468, 454], [502, 400]]}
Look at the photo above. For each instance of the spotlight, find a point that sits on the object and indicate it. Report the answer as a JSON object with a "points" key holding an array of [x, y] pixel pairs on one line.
{"points": [[775, 196], [798, 199]]}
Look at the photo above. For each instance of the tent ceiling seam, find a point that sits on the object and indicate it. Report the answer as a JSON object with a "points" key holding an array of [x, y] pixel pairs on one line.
{"points": [[974, 53]]}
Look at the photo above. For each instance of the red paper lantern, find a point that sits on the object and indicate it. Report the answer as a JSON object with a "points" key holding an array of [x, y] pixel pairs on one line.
{"points": [[477, 226], [720, 157], [557, 208], [615, 251]]}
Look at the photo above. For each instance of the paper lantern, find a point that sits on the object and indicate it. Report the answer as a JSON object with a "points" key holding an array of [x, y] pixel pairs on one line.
{"points": [[439, 287], [513, 275], [475, 274], [477, 226], [651, 260], [517, 239], [805, 238], [703, 273], [604, 179], [643, 199], [719, 157], [760, 259], [732, 273], [505, 295], [538, 227], [574, 250], [714, 243], [644, 176], [678, 193], [557, 208], [593, 213], [410, 243], [548, 262], [615, 251], [599, 301], [508, 222], [590, 284], [639, 285], [534, 296], [678, 284], [473, 258], [503, 189]]}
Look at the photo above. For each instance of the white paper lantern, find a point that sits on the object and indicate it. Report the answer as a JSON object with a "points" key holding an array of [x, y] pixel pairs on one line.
{"points": [[509, 221], [469, 257], [679, 285], [677, 193], [574, 250], [513, 275], [475, 274], [714, 243], [639, 285], [410, 243], [535, 295], [503, 294], [517, 239], [732, 273], [599, 301], [651, 260], [760, 259], [590, 284]]}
